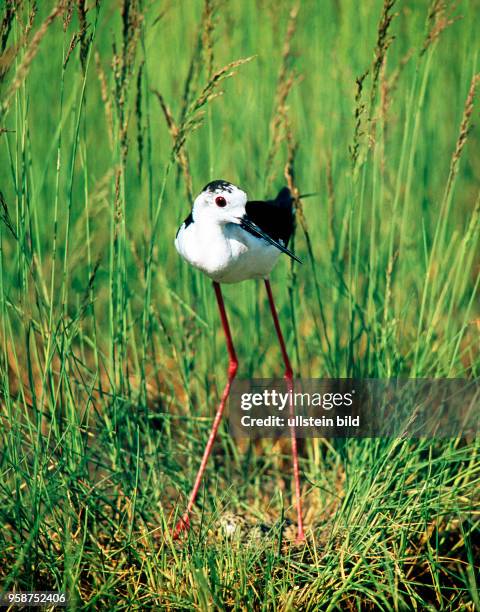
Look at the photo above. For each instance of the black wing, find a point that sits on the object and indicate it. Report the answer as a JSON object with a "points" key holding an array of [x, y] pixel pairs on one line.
{"points": [[274, 217]]}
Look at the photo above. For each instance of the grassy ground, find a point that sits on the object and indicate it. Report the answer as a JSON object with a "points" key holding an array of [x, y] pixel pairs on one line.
{"points": [[111, 356]]}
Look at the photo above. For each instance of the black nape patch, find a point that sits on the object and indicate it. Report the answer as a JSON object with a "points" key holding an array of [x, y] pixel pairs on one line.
{"points": [[188, 221], [219, 186]]}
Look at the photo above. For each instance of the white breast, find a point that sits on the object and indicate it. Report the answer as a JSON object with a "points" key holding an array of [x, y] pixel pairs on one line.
{"points": [[225, 252]]}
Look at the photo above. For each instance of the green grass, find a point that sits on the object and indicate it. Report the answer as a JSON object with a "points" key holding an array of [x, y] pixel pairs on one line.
{"points": [[112, 359]]}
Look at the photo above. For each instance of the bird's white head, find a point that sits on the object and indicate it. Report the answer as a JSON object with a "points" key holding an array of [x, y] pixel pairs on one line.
{"points": [[220, 202]]}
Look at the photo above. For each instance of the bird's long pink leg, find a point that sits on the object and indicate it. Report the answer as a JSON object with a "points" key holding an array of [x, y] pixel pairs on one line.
{"points": [[184, 522], [289, 378]]}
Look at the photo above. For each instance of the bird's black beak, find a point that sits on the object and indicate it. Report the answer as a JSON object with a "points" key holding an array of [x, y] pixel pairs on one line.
{"points": [[253, 229]]}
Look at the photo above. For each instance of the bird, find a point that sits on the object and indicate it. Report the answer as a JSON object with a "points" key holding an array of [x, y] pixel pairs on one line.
{"points": [[232, 239]]}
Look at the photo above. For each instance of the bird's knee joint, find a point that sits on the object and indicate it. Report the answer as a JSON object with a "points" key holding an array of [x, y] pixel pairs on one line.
{"points": [[232, 368]]}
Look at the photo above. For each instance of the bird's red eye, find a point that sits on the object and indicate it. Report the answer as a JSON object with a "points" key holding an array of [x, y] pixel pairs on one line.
{"points": [[220, 201]]}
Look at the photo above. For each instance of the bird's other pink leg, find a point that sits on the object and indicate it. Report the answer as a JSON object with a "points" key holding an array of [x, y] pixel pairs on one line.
{"points": [[184, 521], [289, 379]]}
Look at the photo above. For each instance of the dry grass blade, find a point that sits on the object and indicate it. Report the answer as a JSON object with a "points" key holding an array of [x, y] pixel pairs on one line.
{"points": [[365, 125], [210, 91], [107, 103], [286, 79], [84, 38], [359, 112], [391, 83], [6, 25], [139, 116], [388, 284], [464, 127], [208, 20], [73, 43], [439, 18], [292, 147], [203, 50], [123, 64], [5, 217], [332, 235], [30, 53], [7, 55], [384, 40], [194, 115], [177, 151]]}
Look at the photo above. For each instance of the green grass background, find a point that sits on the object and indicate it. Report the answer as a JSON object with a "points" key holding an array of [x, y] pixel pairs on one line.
{"points": [[112, 356]]}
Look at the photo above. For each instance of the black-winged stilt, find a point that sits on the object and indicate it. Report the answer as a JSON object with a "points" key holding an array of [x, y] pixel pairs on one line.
{"points": [[231, 239]]}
